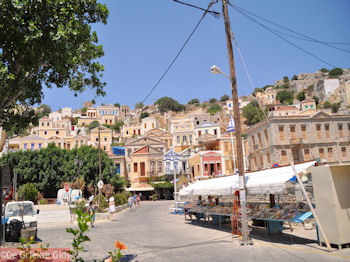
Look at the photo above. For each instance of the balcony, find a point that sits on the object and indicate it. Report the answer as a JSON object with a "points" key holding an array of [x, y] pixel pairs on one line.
{"points": [[178, 172], [296, 140]]}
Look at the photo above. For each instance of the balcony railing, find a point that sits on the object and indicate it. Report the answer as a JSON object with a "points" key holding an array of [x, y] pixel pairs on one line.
{"points": [[178, 172], [296, 140]]}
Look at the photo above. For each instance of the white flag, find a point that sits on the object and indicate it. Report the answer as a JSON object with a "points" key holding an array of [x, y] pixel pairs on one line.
{"points": [[231, 126]]}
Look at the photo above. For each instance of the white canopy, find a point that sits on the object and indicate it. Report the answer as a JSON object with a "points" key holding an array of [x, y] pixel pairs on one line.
{"points": [[270, 181]]}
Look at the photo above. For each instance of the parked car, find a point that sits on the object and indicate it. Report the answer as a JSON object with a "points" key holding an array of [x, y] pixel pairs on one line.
{"points": [[22, 209]]}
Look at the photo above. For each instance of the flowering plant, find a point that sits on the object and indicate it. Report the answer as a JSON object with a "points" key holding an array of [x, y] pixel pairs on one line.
{"points": [[116, 255]]}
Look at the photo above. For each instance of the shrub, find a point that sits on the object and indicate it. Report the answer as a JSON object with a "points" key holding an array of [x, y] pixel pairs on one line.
{"points": [[327, 104], [121, 198], [335, 73], [212, 100], [224, 98], [154, 197], [28, 192]]}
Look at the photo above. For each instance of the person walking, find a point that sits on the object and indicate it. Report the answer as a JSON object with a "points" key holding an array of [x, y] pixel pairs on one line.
{"points": [[138, 199], [111, 208], [130, 200], [91, 212], [134, 198]]}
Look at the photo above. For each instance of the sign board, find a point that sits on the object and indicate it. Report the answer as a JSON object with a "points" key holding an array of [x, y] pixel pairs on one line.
{"points": [[66, 187], [100, 184], [7, 192]]}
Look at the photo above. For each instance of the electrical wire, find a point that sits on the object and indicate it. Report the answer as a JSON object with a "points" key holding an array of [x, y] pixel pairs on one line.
{"points": [[179, 52], [303, 36], [197, 7], [283, 38]]}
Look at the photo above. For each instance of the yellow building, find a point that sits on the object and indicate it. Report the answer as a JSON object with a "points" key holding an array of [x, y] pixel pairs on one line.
{"points": [[132, 130], [48, 128], [182, 129], [32, 142], [85, 121], [105, 136], [165, 137]]}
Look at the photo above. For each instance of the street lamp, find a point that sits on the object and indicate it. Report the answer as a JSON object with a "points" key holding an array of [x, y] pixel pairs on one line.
{"points": [[216, 70]]}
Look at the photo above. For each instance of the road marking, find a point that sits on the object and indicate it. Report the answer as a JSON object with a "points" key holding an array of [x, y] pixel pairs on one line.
{"points": [[303, 249]]}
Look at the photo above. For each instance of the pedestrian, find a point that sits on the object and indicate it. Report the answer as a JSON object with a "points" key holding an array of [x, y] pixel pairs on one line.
{"points": [[111, 208], [138, 199], [134, 198], [91, 212], [130, 200]]}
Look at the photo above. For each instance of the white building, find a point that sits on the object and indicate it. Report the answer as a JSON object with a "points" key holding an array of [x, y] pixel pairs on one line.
{"points": [[148, 123], [55, 116], [66, 112], [207, 130], [325, 88]]}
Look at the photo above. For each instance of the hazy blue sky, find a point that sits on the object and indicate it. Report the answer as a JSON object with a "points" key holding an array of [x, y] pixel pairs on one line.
{"points": [[143, 36]]}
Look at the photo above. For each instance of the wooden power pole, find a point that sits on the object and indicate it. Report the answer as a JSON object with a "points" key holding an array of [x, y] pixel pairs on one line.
{"points": [[236, 117], [99, 164]]}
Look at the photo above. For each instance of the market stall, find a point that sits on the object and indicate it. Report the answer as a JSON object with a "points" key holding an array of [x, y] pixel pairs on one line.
{"points": [[273, 181]]}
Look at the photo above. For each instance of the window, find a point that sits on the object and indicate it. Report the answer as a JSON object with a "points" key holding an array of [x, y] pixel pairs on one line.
{"points": [[340, 130], [303, 132], [284, 156], [306, 154], [152, 125], [45, 132], [330, 152], [178, 139], [215, 132], [281, 132], [160, 164], [206, 167], [326, 127], [184, 139], [127, 132], [261, 160], [253, 140], [135, 167], [292, 132], [145, 125], [259, 137], [206, 131], [96, 139], [134, 132], [318, 131], [105, 138], [39, 145], [268, 158], [57, 132], [48, 124], [343, 151], [266, 136], [42, 124], [129, 153], [190, 138], [32, 146], [139, 132], [255, 162], [321, 152], [25, 146], [199, 133], [218, 166], [104, 147]]}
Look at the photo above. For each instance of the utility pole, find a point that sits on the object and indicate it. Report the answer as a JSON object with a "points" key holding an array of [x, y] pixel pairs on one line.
{"points": [[174, 166], [99, 164], [236, 117]]}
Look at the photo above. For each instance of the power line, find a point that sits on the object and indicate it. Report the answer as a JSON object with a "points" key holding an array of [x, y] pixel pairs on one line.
{"points": [[179, 52], [283, 38], [305, 37], [197, 7]]}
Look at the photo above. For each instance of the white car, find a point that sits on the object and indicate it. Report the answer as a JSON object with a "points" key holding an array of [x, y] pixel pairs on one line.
{"points": [[25, 209]]}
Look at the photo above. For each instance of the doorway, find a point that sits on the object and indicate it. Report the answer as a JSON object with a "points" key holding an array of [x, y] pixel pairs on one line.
{"points": [[142, 168]]}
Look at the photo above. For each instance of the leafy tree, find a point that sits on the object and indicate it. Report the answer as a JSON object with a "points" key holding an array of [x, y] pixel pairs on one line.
{"points": [[212, 100], [301, 96], [167, 103], [285, 79], [285, 97], [324, 70], [93, 101], [139, 105], [117, 105], [74, 120], [327, 104], [83, 110], [46, 43], [317, 99], [193, 101], [335, 73], [335, 107], [144, 115], [214, 109], [224, 98], [264, 87], [257, 90], [47, 168], [253, 113], [93, 125], [43, 110], [295, 77], [117, 125], [28, 192]]}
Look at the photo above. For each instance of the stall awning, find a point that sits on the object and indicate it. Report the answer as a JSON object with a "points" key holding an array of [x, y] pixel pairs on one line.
{"points": [[141, 187], [270, 181]]}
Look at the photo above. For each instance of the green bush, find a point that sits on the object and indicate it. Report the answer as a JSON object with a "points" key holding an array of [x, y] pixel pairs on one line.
{"points": [[121, 198], [28, 192], [80, 206], [103, 202], [154, 197]]}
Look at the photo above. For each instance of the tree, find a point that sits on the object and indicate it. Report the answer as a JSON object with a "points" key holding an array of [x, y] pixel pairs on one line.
{"points": [[327, 104], [335, 73], [335, 107], [117, 125], [193, 101], [301, 96], [43, 110], [93, 125], [139, 105], [117, 105], [144, 115], [256, 90], [46, 43], [285, 79], [253, 113], [212, 100], [317, 99], [214, 109], [285, 97], [83, 110], [264, 87], [224, 98], [295, 77], [167, 103], [324, 70], [28, 192]]}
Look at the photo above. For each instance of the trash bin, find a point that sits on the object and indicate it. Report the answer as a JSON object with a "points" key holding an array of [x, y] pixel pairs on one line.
{"points": [[15, 227]]}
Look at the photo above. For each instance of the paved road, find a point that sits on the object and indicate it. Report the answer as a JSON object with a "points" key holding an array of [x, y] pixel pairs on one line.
{"points": [[151, 234]]}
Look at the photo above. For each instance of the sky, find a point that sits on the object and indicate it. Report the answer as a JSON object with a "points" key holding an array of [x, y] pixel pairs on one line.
{"points": [[143, 36]]}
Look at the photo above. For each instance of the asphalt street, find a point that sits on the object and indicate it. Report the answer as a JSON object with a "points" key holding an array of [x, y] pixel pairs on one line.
{"points": [[151, 234]]}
